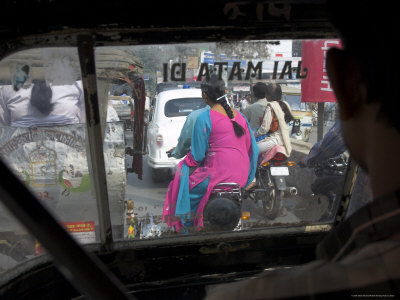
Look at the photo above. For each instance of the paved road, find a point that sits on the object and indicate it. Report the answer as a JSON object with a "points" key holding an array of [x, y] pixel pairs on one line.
{"points": [[149, 198]]}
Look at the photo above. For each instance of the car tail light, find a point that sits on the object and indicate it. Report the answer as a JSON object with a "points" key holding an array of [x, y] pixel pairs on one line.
{"points": [[159, 140]]}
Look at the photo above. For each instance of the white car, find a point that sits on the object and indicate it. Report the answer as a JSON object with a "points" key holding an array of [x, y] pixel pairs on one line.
{"points": [[167, 117]]}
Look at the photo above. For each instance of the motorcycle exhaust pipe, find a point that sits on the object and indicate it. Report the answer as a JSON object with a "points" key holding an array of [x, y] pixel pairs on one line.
{"points": [[292, 191]]}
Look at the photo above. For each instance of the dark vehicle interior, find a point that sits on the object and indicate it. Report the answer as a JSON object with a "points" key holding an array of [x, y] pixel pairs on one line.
{"points": [[177, 267]]}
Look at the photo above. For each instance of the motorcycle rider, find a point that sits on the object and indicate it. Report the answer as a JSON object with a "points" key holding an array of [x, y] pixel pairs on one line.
{"points": [[270, 124], [278, 111], [255, 111], [220, 136], [185, 137], [333, 145]]}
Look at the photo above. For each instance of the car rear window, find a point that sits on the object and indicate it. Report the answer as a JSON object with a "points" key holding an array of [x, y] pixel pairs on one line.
{"points": [[182, 106]]}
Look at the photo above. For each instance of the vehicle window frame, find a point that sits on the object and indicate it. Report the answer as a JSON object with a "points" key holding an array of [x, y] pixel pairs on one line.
{"points": [[181, 240], [92, 117], [76, 37]]}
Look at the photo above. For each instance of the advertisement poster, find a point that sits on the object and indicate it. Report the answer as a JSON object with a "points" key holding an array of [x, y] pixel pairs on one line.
{"points": [[53, 162], [316, 86]]}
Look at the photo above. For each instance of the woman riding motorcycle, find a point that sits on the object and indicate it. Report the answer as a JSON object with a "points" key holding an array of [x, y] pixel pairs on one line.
{"points": [[273, 130], [223, 149]]}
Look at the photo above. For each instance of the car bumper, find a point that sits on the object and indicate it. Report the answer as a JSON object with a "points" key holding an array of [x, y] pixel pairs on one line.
{"points": [[162, 163]]}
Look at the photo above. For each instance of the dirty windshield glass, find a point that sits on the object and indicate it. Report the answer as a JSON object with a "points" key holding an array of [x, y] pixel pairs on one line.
{"points": [[43, 139], [204, 178], [197, 138]]}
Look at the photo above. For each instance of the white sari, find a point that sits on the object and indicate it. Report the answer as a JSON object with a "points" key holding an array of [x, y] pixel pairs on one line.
{"points": [[281, 136]]}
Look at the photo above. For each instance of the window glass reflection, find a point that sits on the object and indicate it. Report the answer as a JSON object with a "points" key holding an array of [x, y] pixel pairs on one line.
{"points": [[171, 70], [150, 100], [43, 140]]}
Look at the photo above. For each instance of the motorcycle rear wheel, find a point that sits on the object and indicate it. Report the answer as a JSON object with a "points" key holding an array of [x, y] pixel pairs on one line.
{"points": [[221, 213], [272, 204]]}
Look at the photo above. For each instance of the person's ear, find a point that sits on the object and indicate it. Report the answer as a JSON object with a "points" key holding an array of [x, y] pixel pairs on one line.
{"points": [[204, 95], [344, 75]]}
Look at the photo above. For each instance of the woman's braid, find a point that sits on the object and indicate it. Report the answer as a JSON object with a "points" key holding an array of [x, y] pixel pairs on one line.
{"points": [[239, 131]]}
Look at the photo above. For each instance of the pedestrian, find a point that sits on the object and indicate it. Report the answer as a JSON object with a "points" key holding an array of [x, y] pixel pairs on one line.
{"points": [[244, 103]]}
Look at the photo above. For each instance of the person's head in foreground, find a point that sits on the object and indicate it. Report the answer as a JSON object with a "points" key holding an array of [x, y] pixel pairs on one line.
{"points": [[364, 75]]}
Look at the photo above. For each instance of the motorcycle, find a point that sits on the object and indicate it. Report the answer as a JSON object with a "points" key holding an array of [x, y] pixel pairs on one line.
{"points": [[271, 184], [329, 182], [223, 209]]}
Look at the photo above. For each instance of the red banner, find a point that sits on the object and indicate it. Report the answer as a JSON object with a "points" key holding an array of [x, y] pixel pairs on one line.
{"points": [[316, 86]]}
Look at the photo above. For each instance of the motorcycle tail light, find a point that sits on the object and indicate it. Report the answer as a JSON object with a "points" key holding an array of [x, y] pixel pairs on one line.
{"points": [[277, 164], [279, 157], [245, 215], [290, 163], [159, 140]]}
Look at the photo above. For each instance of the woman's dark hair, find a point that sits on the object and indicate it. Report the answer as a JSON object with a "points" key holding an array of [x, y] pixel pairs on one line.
{"points": [[274, 92], [288, 115], [214, 88], [41, 97]]}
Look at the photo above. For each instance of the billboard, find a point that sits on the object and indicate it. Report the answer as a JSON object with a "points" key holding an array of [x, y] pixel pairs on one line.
{"points": [[316, 86]]}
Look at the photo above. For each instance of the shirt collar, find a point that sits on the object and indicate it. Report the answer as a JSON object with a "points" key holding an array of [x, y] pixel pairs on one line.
{"points": [[375, 221], [262, 101]]}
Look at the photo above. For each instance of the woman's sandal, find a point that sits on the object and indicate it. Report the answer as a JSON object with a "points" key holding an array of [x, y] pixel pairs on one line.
{"points": [[251, 185]]}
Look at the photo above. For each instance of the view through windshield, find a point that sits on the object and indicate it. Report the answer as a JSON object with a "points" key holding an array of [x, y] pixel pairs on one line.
{"points": [[197, 174]]}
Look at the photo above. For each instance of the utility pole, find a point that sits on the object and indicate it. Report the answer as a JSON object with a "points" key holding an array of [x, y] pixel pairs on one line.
{"points": [[320, 121]]}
